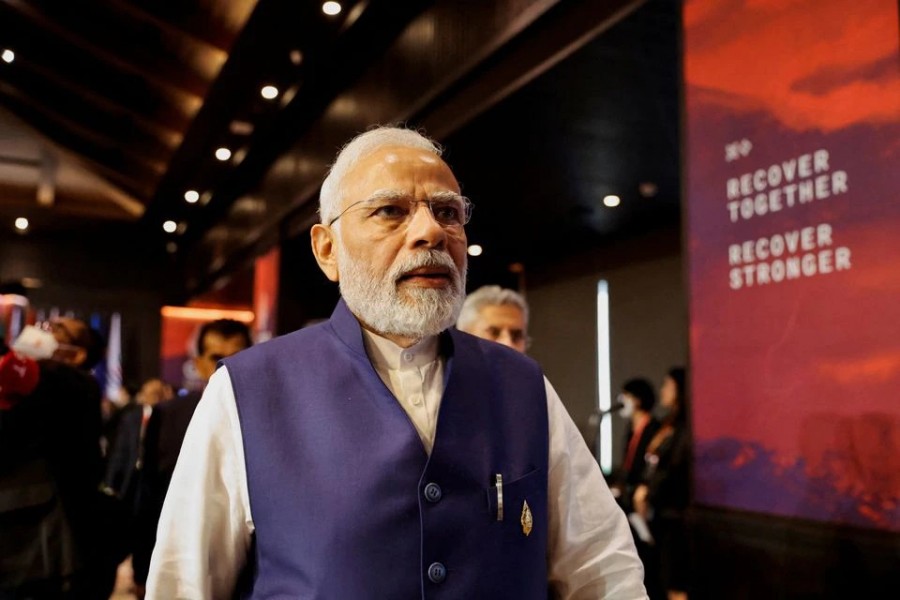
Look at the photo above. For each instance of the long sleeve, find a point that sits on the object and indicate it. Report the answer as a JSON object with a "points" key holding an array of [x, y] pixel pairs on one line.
{"points": [[591, 550], [205, 528]]}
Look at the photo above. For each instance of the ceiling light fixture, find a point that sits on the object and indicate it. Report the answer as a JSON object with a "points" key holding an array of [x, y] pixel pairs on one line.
{"points": [[170, 226], [269, 92], [191, 196], [331, 8], [21, 223], [611, 200], [475, 250], [296, 57], [223, 154], [239, 127], [648, 189], [8, 55]]}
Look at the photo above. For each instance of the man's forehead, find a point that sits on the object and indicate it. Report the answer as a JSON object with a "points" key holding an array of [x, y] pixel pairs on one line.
{"points": [[501, 312], [398, 171], [393, 155], [400, 161]]}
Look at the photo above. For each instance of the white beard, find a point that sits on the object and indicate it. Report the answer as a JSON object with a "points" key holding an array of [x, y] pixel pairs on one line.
{"points": [[412, 312]]}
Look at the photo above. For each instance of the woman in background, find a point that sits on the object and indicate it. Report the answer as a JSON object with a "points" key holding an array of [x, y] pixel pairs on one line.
{"points": [[663, 497]]}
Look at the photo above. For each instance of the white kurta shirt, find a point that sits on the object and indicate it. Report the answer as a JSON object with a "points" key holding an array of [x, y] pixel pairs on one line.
{"points": [[206, 526]]}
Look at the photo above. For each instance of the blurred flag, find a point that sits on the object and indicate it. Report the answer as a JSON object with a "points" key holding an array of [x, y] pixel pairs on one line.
{"points": [[99, 370], [114, 359]]}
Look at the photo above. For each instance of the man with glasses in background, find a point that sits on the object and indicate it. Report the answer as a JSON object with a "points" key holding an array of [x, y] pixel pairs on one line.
{"points": [[165, 435], [383, 453]]}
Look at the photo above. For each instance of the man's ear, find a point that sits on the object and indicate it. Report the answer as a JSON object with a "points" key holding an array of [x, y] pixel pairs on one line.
{"points": [[325, 250]]}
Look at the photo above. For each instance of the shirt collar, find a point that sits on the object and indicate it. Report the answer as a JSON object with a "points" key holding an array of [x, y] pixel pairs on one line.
{"points": [[386, 354]]}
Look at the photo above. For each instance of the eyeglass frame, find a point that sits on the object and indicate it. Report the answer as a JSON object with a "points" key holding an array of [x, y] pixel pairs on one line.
{"points": [[392, 195]]}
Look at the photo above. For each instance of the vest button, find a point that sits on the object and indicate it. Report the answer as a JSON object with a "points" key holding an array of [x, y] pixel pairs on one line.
{"points": [[437, 572], [433, 492]]}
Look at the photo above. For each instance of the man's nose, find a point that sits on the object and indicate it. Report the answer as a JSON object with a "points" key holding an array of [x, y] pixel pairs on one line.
{"points": [[423, 228]]}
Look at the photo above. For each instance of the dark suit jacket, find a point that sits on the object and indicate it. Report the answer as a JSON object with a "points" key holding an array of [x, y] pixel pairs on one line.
{"points": [[122, 463], [635, 474], [162, 444], [49, 476]]}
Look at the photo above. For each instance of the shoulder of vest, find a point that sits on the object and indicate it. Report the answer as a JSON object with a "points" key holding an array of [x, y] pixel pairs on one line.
{"points": [[493, 351], [275, 346]]}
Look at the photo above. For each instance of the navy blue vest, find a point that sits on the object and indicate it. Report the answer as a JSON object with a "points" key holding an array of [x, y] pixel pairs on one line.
{"points": [[345, 500]]}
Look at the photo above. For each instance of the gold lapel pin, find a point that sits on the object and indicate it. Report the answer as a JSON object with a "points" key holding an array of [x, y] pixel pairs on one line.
{"points": [[526, 519]]}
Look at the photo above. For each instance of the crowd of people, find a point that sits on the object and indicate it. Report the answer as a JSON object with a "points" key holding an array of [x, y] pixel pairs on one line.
{"points": [[318, 466]]}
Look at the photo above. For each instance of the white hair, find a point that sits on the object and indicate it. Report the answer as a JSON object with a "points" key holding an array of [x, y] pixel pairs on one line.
{"points": [[489, 295], [358, 148]]}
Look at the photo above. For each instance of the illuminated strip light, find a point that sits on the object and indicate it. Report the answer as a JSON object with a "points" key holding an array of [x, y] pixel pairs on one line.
{"points": [[604, 395], [207, 314]]}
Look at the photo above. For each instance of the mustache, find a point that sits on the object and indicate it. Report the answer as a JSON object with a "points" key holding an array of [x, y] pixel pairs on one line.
{"points": [[425, 258]]}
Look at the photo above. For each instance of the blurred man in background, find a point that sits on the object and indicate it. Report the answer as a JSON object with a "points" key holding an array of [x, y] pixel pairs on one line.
{"points": [[496, 314], [165, 434], [50, 470]]}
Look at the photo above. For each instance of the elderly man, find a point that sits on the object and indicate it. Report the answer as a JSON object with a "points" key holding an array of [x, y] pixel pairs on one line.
{"points": [[496, 314], [384, 454]]}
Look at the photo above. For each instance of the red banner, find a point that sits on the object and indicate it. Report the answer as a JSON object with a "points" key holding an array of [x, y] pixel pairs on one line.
{"points": [[793, 218]]}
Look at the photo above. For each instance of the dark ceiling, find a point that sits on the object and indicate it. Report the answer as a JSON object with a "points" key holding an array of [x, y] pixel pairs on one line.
{"points": [[113, 109], [604, 121], [109, 90]]}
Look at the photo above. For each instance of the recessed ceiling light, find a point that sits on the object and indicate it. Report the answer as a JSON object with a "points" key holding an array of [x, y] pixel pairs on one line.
{"points": [[611, 200], [191, 196], [475, 250], [331, 8], [648, 189], [269, 92], [170, 226], [8, 55], [239, 127], [21, 223], [296, 57], [223, 154]]}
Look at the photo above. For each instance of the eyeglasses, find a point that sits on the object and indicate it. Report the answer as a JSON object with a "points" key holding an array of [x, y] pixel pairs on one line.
{"points": [[391, 210]]}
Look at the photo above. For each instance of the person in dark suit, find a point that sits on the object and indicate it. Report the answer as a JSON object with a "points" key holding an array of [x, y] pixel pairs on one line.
{"points": [[165, 433], [638, 400], [664, 495], [50, 468], [123, 472]]}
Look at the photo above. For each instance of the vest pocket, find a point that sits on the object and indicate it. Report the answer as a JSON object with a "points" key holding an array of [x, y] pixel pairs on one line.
{"points": [[523, 506]]}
